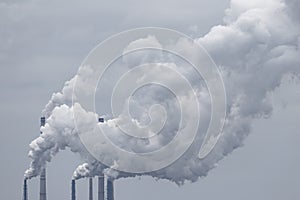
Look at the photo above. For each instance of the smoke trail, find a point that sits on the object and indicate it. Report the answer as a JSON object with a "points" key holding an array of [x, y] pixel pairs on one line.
{"points": [[254, 52]]}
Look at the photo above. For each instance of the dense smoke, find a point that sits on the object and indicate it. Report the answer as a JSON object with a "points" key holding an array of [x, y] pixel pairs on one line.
{"points": [[257, 46]]}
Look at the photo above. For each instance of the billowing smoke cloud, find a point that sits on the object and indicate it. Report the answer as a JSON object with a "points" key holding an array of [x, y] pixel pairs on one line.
{"points": [[257, 46]]}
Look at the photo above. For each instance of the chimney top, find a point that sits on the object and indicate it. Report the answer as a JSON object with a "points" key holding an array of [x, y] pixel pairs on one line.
{"points": [[43, 121]]}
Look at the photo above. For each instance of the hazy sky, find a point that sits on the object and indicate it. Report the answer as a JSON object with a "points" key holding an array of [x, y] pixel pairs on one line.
{"points": [[42, 44]]}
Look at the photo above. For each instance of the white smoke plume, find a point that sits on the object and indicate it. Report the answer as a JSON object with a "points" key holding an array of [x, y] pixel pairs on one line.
{"points": [[257, 46]]}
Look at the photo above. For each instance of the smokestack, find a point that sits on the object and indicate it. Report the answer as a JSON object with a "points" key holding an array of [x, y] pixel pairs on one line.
{"points": [[110, 189], [101, 187], [25, 193], [90, 188], [43, 195], [73, 190], [43, 121]]}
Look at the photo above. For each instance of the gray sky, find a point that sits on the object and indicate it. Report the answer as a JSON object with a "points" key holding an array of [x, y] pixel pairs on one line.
{"points": [[42, 43]]}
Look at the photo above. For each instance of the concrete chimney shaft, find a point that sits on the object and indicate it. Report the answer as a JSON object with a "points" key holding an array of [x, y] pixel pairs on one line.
{"points": [[91, 188], [101, 187], [73, 190], [43, 195], [25, 192]]}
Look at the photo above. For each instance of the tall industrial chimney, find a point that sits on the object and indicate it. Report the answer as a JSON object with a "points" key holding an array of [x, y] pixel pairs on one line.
{"points": [[110, 189], [90, 188], [43, 195], [25, 193], [43, 121], [101, 187], [101, 177], [73, 190]]}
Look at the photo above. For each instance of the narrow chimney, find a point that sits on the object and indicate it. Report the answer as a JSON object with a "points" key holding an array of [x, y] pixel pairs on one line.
{"points": [[101, 177], [43, 121], [43, 195], [25, 192], [90, 188], [73, 190], [101, 187], [110, 189]]}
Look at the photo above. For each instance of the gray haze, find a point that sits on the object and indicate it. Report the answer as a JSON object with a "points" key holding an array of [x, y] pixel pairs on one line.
{"points": [[42, 43]]}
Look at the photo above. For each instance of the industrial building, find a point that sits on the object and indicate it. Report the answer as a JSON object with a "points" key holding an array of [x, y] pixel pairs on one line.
{"points": [[105, 185]]}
